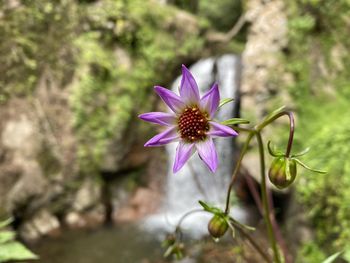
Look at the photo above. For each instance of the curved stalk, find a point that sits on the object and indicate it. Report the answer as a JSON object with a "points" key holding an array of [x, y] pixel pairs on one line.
{"points": [[291, 127], [178, 225]]}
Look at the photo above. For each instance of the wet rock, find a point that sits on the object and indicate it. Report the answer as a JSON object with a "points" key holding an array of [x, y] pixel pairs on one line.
{"points": [[89, 219]]}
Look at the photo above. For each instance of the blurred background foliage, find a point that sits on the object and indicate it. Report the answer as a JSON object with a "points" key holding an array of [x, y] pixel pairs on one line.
{"points": [[318, 57], [111, 52]]}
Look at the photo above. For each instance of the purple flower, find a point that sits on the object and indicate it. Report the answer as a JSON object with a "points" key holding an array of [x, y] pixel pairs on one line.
{"points": [[191, 122]]}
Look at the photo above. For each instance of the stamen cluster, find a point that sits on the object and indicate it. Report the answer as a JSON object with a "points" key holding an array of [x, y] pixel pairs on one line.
{"points": [[193, 124]]}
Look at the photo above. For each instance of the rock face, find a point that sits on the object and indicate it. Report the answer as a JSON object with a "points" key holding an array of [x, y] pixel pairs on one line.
{"points": [[69, 104], [40, 181], [266, 39], [37, 159]]}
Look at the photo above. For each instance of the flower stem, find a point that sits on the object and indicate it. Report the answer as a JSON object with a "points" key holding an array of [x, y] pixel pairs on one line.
{"points": [[264, 199], [291, 127], [183, 217], [252, 241], [238, 165]]}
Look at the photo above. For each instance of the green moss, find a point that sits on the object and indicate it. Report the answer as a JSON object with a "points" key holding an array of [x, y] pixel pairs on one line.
{"points": [[317, 57], [107, 94], [35, 36]]}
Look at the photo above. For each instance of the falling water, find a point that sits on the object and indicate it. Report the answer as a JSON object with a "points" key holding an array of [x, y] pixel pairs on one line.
{"points": [[194, 181]]}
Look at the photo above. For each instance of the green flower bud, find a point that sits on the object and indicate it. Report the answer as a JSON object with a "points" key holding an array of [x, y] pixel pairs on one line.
{"points": [[217, 226], [282, 172]]}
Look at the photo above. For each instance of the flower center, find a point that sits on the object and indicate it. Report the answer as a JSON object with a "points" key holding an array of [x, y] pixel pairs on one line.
{"points": [[193, 124]]}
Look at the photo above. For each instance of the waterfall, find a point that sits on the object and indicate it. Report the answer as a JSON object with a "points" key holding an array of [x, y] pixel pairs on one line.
{"points": [[194, 181]]}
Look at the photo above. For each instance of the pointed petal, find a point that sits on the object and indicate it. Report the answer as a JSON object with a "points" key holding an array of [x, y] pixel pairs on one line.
{"points": [[207, 153], [219, 130], [183, 152], [210, 101], [170, 98], [167, 136], [162, 118], [188, 88]]}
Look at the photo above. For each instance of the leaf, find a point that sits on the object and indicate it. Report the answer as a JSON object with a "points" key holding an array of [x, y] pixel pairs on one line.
{"points": [[234, 121], [225, 101], [6, 236], [5, 222], [346, 255], [209, 208], [204, 205], [275, 112], [15, 251], [333, 257]]}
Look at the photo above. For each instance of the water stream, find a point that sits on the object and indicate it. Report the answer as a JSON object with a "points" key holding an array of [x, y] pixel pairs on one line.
{"points": [[123, 244]]}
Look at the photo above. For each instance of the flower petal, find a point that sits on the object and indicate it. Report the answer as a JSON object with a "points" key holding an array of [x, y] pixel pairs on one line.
{"points": [[162, 118], [183, 152], [167, 136], [170, 98], [210, 101], [188, 88], [207, 153], [219, 130]]}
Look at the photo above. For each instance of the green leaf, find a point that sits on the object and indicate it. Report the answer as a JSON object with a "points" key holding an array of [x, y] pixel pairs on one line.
{"points": [[346, 255], [15, 251], [204, 205], [211, 209], [234, 121], [6, 236], [6, 222], [225, 101], [333, 257], [280, 109]]}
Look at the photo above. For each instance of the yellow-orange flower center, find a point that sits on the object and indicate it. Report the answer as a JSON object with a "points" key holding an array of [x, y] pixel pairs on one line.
{"points": [[193, 124]]}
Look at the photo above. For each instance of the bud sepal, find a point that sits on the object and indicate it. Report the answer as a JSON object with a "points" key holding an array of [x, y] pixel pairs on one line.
{"points": [[283, 169]]}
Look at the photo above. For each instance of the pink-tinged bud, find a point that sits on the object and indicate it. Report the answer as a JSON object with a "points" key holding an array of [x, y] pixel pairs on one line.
{"points": [[282, 172], [217, 226]]}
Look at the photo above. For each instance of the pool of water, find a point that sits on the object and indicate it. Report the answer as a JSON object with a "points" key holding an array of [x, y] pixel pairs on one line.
{"points": [[106, 245]]}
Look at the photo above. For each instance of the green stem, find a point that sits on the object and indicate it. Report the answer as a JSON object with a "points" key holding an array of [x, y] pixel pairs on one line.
{"points": [[178, 225], [291, 127], [252, 241], [238, 165], [267, 218]]}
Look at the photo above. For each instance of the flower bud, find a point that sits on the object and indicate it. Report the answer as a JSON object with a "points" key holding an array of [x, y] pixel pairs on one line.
{"points": [[282, 172], [169, 240], [217, 226]]}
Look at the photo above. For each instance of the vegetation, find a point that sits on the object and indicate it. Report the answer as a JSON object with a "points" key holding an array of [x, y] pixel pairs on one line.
{"points": [[11, 249], [318, 57], [110, 53]]}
